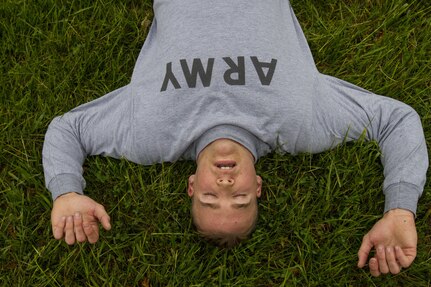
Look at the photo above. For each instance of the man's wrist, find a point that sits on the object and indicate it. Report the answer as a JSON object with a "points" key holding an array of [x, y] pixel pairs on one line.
{"points": [[67, 194], [400, 212]]}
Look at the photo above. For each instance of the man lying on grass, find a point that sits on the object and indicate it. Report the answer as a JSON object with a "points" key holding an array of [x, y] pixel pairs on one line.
{"points": [[224, 83]]}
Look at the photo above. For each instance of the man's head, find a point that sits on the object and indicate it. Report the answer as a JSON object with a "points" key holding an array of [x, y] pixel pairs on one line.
{"points": [[224, 192]]}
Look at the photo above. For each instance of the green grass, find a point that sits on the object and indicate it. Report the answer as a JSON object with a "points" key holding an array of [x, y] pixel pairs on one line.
{"points": [[314, 211]]}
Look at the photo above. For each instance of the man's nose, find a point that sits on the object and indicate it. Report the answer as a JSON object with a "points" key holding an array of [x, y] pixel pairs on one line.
{"points": [[225, 181]]}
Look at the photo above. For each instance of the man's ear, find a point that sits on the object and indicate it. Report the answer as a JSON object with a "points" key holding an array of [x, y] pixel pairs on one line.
{"points": [[259, 186], [190, 187]]}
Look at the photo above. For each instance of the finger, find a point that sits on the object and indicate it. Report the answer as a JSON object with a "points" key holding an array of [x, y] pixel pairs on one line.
{"points": [[404, 260], [374, 267], [381, 258], [103, 217], [92, 232], [79, 231], [69, 231], [364, 250], [393, 265], [58, 228]]}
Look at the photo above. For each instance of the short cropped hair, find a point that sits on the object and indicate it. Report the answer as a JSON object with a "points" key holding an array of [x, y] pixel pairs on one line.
{"points": [[224, 239]]}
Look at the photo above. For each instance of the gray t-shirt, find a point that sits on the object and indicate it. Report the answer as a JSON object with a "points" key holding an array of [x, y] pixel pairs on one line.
{"points": [[240, 70]]}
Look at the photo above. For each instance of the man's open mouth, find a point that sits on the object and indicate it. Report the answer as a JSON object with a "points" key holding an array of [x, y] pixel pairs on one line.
{"points": [[226, 165]]}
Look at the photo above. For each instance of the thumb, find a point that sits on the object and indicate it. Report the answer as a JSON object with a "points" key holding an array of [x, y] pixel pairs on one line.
{"points": [[101, 214], [58, 226], [364, 250]]}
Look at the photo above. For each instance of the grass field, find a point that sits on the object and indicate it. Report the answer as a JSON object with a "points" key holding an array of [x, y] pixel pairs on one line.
{"points": [[314, 210]]}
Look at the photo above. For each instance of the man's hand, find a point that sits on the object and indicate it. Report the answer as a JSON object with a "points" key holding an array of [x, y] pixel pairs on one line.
{"points": [[394, 238], [75, 217]]}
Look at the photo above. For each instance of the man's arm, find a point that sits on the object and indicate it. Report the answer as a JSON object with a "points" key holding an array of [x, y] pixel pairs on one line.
{"points": [[343, 112], [101, 127]]}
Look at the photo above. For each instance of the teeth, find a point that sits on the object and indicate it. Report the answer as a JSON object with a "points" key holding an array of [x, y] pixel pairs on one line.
{"points": [[226, 166]]}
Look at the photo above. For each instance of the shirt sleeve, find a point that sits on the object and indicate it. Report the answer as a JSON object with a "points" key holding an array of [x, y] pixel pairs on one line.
{"points": [[344, 112], [100, 127]]}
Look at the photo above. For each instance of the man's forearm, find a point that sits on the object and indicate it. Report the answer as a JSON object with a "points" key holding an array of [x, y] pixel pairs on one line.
{"points": [[62, 159]]}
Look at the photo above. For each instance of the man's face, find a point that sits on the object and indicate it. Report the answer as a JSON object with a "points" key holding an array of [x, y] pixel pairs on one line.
{"points": [[225, 188]]}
